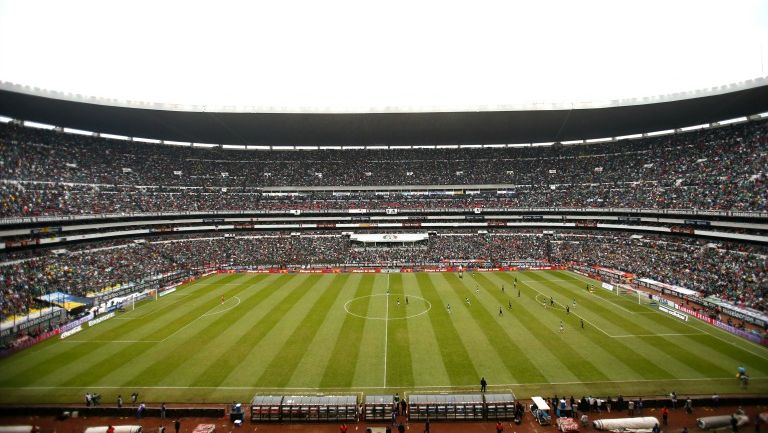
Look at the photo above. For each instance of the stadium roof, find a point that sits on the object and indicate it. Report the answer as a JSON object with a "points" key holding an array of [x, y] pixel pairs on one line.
{"points": [[437, 128]]}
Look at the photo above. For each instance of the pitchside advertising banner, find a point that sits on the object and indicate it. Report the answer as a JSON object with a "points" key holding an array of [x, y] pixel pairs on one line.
{"points": [[733, 330], [673, 312], [166, 292], [405, 269], [100, 319], [75, 323], [72, 331]]}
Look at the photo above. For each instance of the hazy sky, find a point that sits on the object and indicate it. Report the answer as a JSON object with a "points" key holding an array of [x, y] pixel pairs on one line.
{"points": [[364, 56]]}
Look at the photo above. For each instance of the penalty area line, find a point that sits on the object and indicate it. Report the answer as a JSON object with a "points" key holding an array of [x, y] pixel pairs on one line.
{"points": [[224, 310], [562, 307], [207, 313]]}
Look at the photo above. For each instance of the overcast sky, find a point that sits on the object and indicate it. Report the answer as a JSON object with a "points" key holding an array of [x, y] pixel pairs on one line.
{"points": [[389, 55]]}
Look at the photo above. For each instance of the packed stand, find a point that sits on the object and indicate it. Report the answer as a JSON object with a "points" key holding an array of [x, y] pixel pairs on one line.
{"points": [[737, 273], [721, 168]]}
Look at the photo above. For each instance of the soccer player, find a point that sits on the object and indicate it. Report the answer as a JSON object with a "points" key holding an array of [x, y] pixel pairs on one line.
{"points": [[501, 312], [406, 300], [449, 308], [398, 302], [222, 299], [510, 304], [562, 328], [502, 288], [467, 301]]}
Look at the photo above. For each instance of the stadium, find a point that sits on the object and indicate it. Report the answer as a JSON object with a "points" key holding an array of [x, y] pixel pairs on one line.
{"points": [[383, 265]]}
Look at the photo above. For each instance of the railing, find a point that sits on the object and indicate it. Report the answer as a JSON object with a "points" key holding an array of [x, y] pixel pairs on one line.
{"points": [[521, 210]]}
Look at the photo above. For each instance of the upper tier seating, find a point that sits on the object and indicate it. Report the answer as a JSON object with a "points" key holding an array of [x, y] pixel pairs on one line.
{"points": [[721, 169]]}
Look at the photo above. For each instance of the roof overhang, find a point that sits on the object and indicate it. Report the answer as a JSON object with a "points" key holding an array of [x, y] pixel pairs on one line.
{"points": [[438, 128]]}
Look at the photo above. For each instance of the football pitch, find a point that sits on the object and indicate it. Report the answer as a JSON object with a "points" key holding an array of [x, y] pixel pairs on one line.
{"points": [[384, 333]]}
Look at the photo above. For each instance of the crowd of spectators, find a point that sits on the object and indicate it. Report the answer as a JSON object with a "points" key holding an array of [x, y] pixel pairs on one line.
{"points": [[36, 200], [50, 173], [737, 273]]}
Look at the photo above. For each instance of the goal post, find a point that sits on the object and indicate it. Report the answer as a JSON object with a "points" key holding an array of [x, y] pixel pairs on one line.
{"points": [[642, 298]]}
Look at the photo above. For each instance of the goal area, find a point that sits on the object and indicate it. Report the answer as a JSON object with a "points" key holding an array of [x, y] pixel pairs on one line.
{"points": [[639, 296]]}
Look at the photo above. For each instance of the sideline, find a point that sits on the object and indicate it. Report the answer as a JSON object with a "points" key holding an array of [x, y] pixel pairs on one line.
{"points": [[420, 387]]}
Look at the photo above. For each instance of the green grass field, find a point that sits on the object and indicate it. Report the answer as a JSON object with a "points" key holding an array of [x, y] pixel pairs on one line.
{"points": [[314, 333]]}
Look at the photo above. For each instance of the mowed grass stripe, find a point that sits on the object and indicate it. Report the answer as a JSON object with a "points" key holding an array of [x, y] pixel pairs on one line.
{"points": [[192, 348], [608, 316], [146, 326], [427, 362], [231, 359], [586, 342], [563, 291], [643, 356], [686, 356], [283, 364], [550, 364], [272, 298], [743, 349], [399, 364], [20, 367], [339, 373], [657, 323], [458, 362], [756, 366], [203, 304], [690, 356], [87, 356], [207, 341], [737, 347], [369, 369], [555, 342], [627, 363], [703, 346], [517, 365], [310, 370], [514, 357], [109, 361]]}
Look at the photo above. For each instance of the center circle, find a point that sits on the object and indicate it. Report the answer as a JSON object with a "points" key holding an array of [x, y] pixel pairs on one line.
{"points": [[415, 307]]}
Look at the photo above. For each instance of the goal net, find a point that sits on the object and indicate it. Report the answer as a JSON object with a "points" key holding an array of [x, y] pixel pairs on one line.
{"points": [[635, 295]]}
